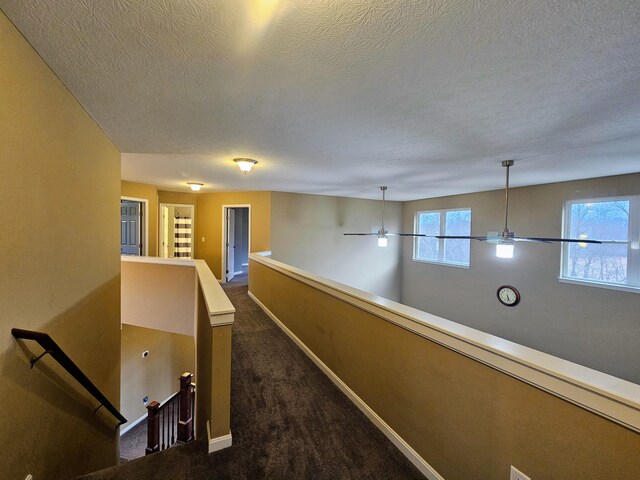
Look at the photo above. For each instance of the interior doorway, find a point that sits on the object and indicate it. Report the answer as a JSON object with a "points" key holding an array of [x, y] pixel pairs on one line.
{"points": [[133, 226], [236, 240], [176, 232]]}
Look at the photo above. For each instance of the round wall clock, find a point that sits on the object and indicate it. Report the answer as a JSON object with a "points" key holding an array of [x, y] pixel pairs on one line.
{"points": [[508, 295]]}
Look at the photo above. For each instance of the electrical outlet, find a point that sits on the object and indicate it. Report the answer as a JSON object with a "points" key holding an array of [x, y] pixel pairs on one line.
{"points": [[517, 474]]}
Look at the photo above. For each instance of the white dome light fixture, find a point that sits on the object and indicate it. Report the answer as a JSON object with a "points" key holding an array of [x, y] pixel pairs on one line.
{"points": [[195, 186], [245, 164]]}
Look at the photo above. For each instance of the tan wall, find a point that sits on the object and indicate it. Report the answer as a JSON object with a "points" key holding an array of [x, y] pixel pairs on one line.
{"points": [[150, 193], [595, 327], [60, 270], [467, 420], [156, 375], [209, 224], [161, 297], [213, 392]]}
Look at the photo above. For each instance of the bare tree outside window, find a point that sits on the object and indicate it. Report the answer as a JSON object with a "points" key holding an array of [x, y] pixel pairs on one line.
{"points": [[443, 222], [605, 220]]}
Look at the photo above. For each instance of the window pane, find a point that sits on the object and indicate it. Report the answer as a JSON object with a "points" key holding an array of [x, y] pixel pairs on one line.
{"points": [[602, 221], [457, 222], [429, 224]]}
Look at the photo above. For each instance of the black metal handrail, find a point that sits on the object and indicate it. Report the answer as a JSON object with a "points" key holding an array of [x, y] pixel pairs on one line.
{"points": [[52, 348]]}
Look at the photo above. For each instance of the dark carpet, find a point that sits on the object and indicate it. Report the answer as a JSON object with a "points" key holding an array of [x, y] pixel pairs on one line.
{"points": [[288, 420], [134, 442]]}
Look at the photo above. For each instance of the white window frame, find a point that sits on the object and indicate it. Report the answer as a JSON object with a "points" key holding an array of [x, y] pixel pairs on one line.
{"points": [[633, 247], [443, 216]]}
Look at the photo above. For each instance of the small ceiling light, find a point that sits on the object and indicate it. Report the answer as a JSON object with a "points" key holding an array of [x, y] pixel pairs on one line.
{"points": [[382, 239], [195, 186], [245, 164], [504, 250]]}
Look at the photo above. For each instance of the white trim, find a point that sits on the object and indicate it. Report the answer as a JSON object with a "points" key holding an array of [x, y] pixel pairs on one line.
{"points": [[245, 264], [219, 307], [608, 286], [181, 262], [145, 242], [238, 273], [161, 224], [446, 264], [218, 443], [413, 456], [223, 270], [613, 398], [132, 424]]}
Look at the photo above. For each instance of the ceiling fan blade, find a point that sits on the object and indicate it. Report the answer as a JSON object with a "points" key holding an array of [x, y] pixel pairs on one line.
{"points": [[409, 235], [568, 240], [394, 234], [462, 237], [532, 239]]}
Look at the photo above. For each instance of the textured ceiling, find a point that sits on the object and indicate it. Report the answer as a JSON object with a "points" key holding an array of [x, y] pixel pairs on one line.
{"points": [[340, 96]]}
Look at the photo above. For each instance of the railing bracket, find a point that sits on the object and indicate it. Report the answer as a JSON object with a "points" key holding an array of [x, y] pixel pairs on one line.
{"points": [[34, 360]]}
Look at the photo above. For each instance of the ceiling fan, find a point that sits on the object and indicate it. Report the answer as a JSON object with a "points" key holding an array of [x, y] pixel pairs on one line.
{"points": [[505, 240], [382, 234]]}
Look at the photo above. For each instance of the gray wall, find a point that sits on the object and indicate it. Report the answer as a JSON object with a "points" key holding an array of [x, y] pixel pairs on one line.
{"points": [[242, 238], [306, 232], [595, 327]]}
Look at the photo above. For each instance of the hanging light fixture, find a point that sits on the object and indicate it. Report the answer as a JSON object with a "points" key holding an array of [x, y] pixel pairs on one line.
{"points": [[245, 164], [195, 186], [382, 233]]}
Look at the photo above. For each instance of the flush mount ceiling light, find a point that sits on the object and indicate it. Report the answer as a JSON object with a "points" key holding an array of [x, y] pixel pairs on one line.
{"points": [[195, 186], [245, 164]]}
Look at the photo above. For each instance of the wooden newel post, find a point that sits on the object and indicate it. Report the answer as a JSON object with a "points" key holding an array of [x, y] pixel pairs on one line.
{"points": [[153, 428], [185, 421]]}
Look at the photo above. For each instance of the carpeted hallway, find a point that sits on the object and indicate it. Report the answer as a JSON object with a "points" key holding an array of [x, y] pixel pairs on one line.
{"points": [[287, 419]]}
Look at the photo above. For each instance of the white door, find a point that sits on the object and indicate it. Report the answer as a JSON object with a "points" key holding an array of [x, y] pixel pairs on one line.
{"points": [[231, 243]]}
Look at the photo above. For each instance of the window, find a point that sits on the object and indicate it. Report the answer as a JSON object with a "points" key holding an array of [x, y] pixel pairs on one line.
{"points": [[603, 219], [440, 250]]}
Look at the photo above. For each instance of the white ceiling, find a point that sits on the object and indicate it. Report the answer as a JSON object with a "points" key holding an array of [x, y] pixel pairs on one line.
{"points": [[339, 96]]}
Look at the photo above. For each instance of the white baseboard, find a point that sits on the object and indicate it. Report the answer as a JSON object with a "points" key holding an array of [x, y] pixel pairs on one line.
{"points": [[238, 273], [218, 443], [427, 470], [245, 264], [132, 424]]}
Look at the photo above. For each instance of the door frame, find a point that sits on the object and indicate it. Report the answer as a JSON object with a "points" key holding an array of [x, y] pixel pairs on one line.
{"points": [[161, 226], [223, 270], [145, 215]]}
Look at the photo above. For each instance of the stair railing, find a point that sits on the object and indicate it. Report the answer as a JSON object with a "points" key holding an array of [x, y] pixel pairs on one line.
{"points": [[52, 348], [174, 416]]}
